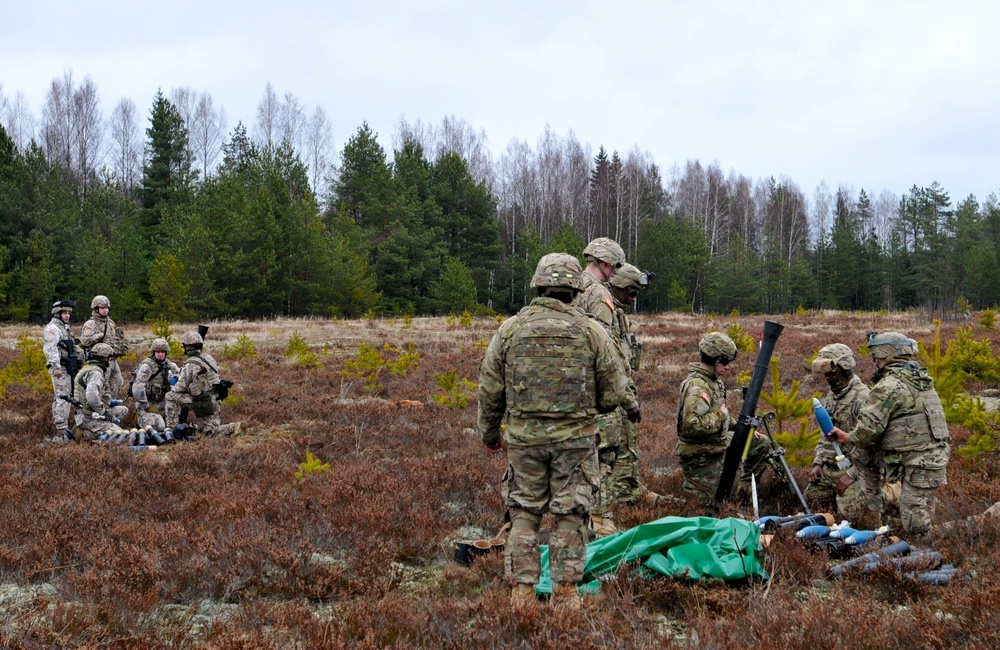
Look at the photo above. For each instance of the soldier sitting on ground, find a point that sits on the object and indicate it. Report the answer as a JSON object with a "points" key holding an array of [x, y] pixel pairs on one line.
{"points": [[97, 412], [154, 376]]}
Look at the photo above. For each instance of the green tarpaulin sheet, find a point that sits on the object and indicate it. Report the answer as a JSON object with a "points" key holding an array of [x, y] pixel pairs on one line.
{"points": [[683, 547]]}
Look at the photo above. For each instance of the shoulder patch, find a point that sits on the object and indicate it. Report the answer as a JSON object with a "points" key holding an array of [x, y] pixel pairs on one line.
{"points": [[609, 302], [704, 404], [88, 329]]}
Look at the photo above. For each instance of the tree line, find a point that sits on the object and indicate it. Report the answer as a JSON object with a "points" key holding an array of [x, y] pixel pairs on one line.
{"points": [[192, 221]]}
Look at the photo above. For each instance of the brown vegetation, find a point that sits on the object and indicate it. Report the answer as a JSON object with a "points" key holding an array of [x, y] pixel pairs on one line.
{"points": [[216, 543]]}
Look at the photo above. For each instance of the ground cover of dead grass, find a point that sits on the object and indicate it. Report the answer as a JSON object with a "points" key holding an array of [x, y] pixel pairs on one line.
{"points": [[215, 543]]}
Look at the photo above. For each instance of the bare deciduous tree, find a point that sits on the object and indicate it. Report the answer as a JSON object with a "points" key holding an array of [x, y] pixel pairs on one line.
{"points": [[268, 116], [18, 120], [73, 128], [126, 144], [88, 132], [207, 132], [292, 121], [318, 148]]}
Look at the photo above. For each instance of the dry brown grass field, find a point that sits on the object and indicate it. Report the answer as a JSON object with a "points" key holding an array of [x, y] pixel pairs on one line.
{"points": [[217, 544]]}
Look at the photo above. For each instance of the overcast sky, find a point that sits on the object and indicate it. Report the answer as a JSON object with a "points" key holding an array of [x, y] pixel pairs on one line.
{"points": [[874, 94]]}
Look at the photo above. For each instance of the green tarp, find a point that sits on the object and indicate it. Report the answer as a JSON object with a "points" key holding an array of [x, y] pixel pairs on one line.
{"points": [[682, 547]]}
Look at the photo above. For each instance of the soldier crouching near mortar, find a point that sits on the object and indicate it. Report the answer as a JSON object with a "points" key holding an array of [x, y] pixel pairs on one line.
{"points": [[904, 420], [552, 371], [96, 412], [195, 389], [153, 378]]}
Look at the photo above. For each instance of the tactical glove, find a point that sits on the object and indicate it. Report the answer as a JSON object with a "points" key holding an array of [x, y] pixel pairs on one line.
{"points": [[634, 414]]}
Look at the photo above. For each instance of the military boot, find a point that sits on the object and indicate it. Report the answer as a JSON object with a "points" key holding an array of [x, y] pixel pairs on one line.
{"points": [[231, 429], [522, 595], [566, 595], [602, 525]]}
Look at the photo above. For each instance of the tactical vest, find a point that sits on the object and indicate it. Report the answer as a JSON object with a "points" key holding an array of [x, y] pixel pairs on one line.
{"points": [[925, 427], [205, 379], [550, 367], [159, 380], [80, 387]]}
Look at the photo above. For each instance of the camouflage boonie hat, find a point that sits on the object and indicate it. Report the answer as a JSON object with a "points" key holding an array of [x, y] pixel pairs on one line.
{"points": [[159, 345], [605, 250], [891, 344], [100, 301], [102, 350], [833, 356], [718, 346], [557, 270]]}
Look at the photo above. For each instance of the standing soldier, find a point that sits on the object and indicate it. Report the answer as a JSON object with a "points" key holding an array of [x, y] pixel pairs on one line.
{"points": [[904, 420], [196, 389], [62, 363], [101, 329], [153, 378], [849, 488], [604, 257], [552, 370], [622, 483], [97, 411]]}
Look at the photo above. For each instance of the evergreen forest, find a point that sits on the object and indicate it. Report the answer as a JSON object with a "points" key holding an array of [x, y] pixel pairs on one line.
{"points": [[175, 216]]}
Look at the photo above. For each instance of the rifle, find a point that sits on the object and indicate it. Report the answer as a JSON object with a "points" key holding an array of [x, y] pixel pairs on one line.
{"points": [[73, 362], [746, 420]]}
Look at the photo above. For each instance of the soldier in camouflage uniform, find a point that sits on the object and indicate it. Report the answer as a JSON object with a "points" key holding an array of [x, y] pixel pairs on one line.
{"points": [[622, 484], [704, 425], [904, 420], [852, 488], [101, 329], [604, 257], [57, 361], [552, 370], [98, 412], [154, 376], [195, 390]]}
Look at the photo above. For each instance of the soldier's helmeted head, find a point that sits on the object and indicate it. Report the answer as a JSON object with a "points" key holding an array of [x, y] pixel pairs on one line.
{"points": [[628, 281], [557, 275], [101, 352], [98, 302], [836, 363], [891, 344], [604, 250], [716, 348], [61, 306], [159, 345], [191, 341]]}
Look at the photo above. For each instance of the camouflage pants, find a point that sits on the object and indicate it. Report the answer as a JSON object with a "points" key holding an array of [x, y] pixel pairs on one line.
{"points": [[756, 462], [115, 381], [175, 401], [919, 494], [89, 429], [152, 418], [701, 474], [822, 494], [560, 478], [60, 407], [611, 442], [624, 479]]}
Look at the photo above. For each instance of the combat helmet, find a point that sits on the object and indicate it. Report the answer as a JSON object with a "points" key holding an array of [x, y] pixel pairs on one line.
{"points": [[891, 344], [557, 270], [159, 345], [192, 340], [833, 356], [716, 347], [630, 277], [61, 306], [102, 351], [605, 250], [100, 301]]}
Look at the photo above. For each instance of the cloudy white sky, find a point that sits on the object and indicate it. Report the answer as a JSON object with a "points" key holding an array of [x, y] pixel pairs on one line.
{"points": [[870, 94]]}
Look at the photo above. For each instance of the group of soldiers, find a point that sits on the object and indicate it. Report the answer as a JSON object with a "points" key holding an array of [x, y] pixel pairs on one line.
{"points": [[555, 384], [163, 392]]}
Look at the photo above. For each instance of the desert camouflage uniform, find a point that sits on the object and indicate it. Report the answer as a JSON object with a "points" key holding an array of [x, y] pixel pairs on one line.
{"points": [[843, 407], [56, 359], [552, 370], [91, 389], [103, 330], [150, 388], [194, 390], [904, 420], [596, 301]]}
